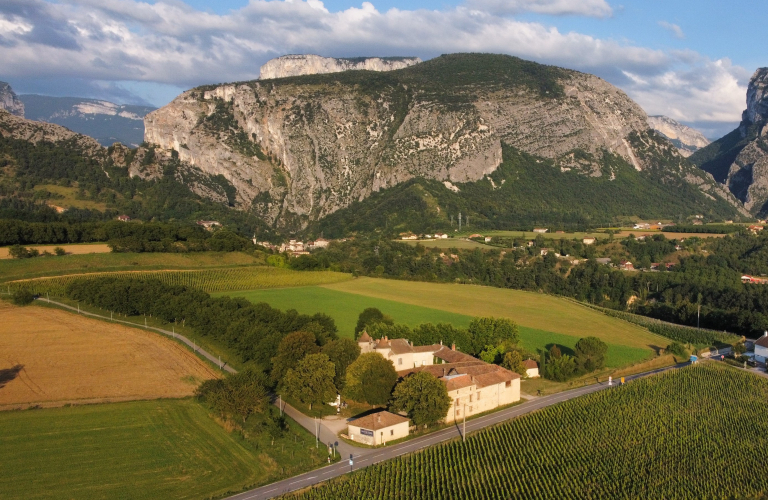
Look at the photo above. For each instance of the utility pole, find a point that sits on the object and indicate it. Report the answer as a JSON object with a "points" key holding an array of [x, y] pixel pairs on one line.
{"points": [[280, 404], [459, 221], [464, 425], [317, 433]]}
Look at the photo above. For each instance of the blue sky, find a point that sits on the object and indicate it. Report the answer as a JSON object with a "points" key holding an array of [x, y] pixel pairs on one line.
{"points": [[687, 59]]}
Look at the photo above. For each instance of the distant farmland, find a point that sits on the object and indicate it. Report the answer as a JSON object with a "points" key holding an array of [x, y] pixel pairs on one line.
{"points": [[345, 306]]}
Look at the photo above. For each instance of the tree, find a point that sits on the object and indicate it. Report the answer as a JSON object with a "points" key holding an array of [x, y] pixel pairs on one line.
{"points": [[342, 353], [311, 381], [491, 332], [590, 353], [560, 369], [370, 379], [23, 296], [423, 397], [739, 348], [237, 396], [513, 361], [370, 316], [290, 351]]}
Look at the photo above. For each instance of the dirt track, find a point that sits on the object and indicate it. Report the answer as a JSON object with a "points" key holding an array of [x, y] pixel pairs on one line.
{"points": [[51, 357]]}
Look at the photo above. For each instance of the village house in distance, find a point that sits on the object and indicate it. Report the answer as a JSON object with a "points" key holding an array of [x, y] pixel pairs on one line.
{"points": [[474, 385]]}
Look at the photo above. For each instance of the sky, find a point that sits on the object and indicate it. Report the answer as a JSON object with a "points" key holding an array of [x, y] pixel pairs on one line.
{"points": [[690, 60]]}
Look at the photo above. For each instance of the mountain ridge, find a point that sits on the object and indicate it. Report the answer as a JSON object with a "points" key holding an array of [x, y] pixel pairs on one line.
{"points": [[687, 140], [739, 160], [297, 149]]}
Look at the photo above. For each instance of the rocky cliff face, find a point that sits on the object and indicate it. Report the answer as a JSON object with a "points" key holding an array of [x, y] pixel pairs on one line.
{"points": [[686, 139], [9, 101], [297, 65], [298, 149], [740, 159]]}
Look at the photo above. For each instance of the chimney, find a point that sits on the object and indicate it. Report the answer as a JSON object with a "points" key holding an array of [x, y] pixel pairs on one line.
{"points": [[453, 347], [765, 333], [386, 338], [443, 372], [411, 343], [441, 341]]}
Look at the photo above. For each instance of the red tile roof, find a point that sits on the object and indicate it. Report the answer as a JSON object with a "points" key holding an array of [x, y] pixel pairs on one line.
{"points": [[530, 364], [380, 420]]}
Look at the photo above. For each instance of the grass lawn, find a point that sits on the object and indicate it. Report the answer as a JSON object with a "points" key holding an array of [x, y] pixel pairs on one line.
{"points": [[70, 198], [157, 449], [344, 308], [70, 264], [532, 310]]}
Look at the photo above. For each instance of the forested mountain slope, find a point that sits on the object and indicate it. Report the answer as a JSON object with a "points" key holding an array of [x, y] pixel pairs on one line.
{"points": [[298, 149]]}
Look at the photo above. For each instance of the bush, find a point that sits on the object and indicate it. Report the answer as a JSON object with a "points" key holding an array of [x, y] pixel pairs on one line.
{"points": [[19, 252], [59, 251], [23, 297]]}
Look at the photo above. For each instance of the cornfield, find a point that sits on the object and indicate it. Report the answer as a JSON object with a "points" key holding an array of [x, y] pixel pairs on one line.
{"points": [[697, 432], [208, 280]]}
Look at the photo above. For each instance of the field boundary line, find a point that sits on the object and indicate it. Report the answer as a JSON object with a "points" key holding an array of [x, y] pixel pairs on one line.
{"points": [[195, 348]]}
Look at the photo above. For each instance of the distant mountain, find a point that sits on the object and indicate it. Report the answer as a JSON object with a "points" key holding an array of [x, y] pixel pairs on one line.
{"points": [[510, 139], [740, 159], [309, 64], [104, 121], [9, 101], [687, 140]]}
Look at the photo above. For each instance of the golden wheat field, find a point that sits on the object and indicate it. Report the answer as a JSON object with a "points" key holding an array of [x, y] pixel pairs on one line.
{"points": [[50, 357]]}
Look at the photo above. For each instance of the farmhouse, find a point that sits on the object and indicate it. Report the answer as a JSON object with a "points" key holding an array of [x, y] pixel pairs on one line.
{"points": [[588, 241], [123, 218], [540, 230], [761, 348], [531, 368], [441, 236], [408, 236], [474, 385], [378, 428]]}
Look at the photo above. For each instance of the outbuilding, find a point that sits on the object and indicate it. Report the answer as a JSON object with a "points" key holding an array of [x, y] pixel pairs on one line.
{"points": [[531, 368], [378, 428], [761, 348]]}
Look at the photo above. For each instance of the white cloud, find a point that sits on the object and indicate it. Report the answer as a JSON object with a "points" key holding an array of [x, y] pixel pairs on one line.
{"points": [[170, 43], [676, 30], [591, 8]]}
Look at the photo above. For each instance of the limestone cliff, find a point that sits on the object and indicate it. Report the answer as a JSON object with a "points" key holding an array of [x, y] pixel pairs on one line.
{"points": [[740, 159], [297, 149], [686, 139], [9, 101], [310, 64]]}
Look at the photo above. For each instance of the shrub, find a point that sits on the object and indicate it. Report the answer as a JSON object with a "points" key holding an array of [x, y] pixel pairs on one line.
{"points": [[23, 297]]}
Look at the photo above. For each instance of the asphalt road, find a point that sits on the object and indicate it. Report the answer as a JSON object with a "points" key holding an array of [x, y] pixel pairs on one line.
{"points": [[364, 457]]}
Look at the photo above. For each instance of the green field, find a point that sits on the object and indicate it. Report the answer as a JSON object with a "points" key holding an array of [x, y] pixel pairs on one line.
{"points": [[697, 432], [143, 450], [13, 269], [157, 449], [536, 311], [209, 280], [344, 308]]}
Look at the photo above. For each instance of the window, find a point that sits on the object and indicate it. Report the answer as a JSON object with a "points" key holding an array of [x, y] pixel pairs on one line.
{"points": [[478, 395], [508, 384], [458, 412], [470, 398], [470, 409], [392, 432], [399, 361]]}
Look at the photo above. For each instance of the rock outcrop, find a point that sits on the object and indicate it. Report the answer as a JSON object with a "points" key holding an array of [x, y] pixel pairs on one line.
{"points": [[310, 64], [687, 140], [9, 101], [740, 159], [299, 149]]}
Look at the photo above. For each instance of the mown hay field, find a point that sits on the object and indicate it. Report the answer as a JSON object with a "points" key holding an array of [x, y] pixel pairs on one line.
{"points": [[50, 357], [344, 307], [136, 450], [209, 280], [11, 269], [70, 249], [698, 432], [536, 311]]}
